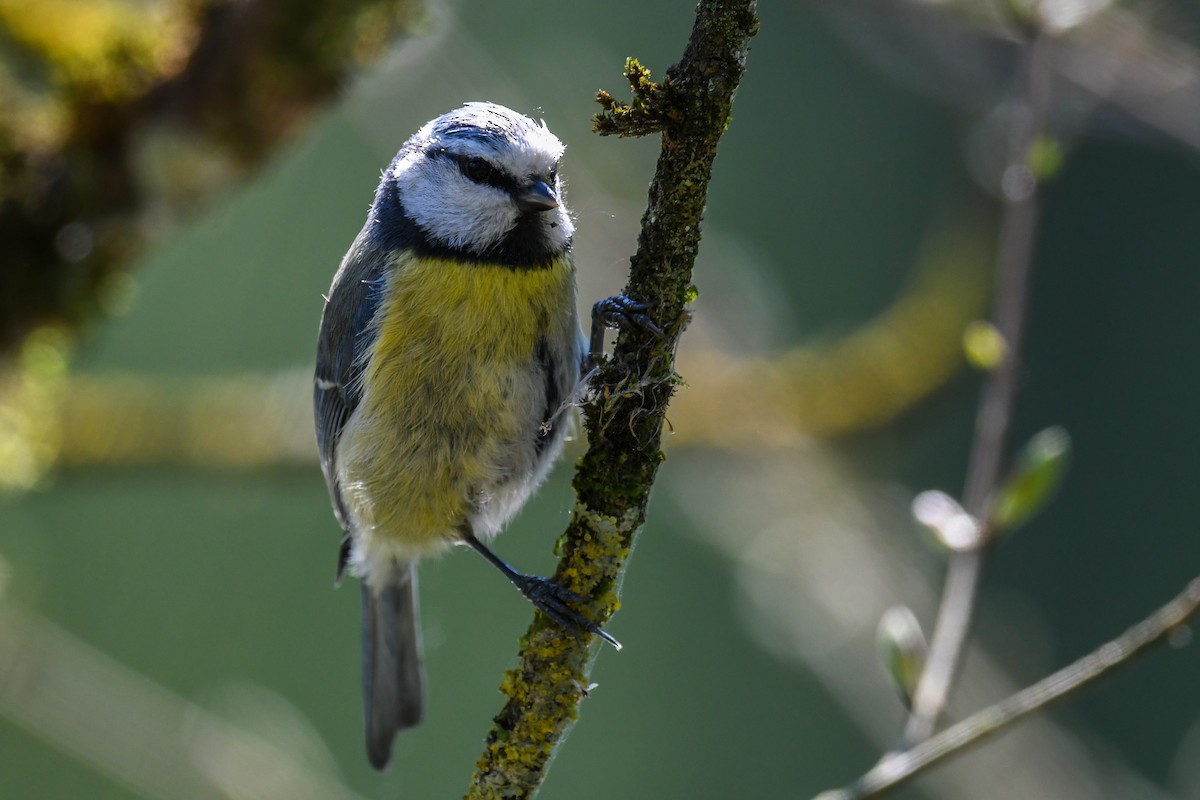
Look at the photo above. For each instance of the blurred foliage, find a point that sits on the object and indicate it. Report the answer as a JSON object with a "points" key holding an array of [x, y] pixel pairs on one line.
{"points": [[30, 400], [117, 116]]}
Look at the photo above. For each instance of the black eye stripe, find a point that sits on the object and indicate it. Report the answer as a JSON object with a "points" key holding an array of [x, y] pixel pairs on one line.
{"points": [[479, 170], [482, 171]]}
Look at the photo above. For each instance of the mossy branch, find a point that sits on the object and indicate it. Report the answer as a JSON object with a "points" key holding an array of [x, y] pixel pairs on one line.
{"points": [[648, 112], [629, 393]]}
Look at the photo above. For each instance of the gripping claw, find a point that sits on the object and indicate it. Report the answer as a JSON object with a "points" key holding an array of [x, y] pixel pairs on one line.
{"points": [[548, 597], [616, 312], [552, 600]]}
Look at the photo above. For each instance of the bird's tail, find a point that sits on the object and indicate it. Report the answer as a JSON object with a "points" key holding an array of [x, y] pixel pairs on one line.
{"points": [[393, 677]]}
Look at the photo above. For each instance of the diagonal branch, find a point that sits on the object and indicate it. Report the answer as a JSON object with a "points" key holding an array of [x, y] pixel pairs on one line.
{"points": [[896, 768], [630, 392]]}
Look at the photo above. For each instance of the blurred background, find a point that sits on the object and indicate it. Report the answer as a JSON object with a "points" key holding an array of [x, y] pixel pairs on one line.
{"points": [[168, 624]]}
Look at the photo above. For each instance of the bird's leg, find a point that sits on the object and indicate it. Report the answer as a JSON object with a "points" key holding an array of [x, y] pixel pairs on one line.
{"points": [[613, 312], [548, 597]]}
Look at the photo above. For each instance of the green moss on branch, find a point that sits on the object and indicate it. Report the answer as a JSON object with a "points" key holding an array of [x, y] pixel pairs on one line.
{"points": [[648, 112], [630, 392]]}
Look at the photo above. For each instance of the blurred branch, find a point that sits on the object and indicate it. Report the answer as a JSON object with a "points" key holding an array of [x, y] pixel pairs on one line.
{"points": [[1130, 70], [897, 768], [999, 396], [148, 738], [630, 392], [115, 117]]}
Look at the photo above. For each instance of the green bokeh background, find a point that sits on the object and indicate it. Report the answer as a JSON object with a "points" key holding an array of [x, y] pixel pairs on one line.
{"points": [[830, 178]]}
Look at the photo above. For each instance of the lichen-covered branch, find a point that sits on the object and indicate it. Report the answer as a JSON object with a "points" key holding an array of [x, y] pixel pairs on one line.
{"points": [[630, 392]]}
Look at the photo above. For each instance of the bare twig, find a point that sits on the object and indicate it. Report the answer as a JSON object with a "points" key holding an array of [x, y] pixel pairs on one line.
{"points": [[896, 768], [998, 400]]}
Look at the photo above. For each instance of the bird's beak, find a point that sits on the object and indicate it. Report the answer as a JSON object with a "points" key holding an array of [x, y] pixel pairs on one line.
{"points": [[537, 196]]}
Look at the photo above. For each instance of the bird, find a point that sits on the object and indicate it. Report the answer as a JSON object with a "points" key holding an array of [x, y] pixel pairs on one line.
{"points": [[449, 346]]}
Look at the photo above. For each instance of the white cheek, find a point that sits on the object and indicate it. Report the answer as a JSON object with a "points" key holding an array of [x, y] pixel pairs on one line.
{"points": [[454, 211], [484, 216], [560, 229]]}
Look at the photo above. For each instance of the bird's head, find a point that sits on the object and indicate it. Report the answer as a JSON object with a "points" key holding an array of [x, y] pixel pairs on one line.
{"points": [[482, 181]]}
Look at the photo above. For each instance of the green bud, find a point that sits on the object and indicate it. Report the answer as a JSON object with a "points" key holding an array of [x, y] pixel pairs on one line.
{"points": [[902, 649], [1045, 157], [1039, 470], [983, 345], [954, 528]]}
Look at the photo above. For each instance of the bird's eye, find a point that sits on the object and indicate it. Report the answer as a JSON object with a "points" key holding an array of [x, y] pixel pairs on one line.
{"points": [[479, 170]]}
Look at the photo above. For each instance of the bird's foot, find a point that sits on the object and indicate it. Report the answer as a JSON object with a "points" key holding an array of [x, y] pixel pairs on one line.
{"points": [[554, 601], [616, 312]]}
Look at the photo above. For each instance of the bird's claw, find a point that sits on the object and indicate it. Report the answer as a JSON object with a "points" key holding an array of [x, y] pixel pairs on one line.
{"points": [[554, 601], [615, 312], [618, 310]]}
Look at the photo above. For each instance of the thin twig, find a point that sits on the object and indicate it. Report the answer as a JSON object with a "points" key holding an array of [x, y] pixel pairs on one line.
{"points": [[993, 426], [896, 768]]}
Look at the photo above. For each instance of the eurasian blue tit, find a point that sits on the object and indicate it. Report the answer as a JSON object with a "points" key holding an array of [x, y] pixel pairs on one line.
{"points": [[448, 347]]}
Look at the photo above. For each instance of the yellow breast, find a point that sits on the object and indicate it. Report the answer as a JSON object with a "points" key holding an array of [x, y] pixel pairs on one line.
{"points": [[452, 394]]}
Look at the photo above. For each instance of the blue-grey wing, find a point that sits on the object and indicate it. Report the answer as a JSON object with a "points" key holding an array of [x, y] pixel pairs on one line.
{"points": [[559, 363], [342, 346]]}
